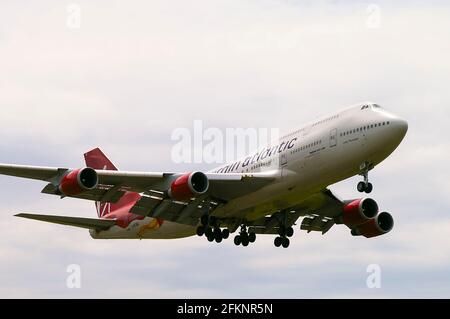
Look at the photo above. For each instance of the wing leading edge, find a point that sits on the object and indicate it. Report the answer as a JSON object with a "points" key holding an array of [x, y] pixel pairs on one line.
{"points": [[88, 223], [225, 186]]}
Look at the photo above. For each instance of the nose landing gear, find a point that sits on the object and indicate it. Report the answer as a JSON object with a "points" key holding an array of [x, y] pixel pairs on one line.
{"points": [[365, 186]]}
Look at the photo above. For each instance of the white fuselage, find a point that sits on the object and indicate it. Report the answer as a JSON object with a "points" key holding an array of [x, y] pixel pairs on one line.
{"points": [[305, 161]]}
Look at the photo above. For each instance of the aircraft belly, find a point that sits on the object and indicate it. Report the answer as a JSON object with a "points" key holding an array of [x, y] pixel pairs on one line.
{"points": [[270, 199], [148, 228]]}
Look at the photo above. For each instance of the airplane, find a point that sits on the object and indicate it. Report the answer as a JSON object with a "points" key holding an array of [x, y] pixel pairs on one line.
{"points": [[266, 192]]}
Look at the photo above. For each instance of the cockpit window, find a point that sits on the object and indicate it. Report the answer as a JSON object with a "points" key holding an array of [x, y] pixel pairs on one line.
{"points": [[365, 106], [376, 106]]}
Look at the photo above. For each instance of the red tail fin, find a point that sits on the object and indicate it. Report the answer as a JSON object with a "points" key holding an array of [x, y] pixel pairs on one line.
{"points": [[96, 159]]}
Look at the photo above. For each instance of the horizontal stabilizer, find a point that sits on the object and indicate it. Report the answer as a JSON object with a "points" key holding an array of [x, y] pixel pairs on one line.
{"points": [[89, 223]]}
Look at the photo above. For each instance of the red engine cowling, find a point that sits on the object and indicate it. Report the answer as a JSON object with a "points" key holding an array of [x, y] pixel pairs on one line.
{"points": [[377, 226], [78, 181], [188, 186], [359, 212]]}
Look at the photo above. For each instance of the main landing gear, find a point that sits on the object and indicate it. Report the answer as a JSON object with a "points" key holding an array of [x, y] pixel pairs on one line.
{"points": [[365, 186], [210, 228], [244, 238], [284, 232], [283, 240]]}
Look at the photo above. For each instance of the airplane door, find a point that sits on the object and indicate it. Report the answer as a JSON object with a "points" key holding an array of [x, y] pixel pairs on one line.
{"points": [[333, 138]]}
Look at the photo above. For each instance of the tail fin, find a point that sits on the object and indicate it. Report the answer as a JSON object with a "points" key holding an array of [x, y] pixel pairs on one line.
{"points": [[96, 159]]}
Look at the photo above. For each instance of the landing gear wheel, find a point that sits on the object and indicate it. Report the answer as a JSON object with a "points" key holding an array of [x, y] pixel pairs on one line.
{"points": [[217, 232], [237, 240], [209, 232], [290, 232], [245, 241], [218, 235], [200, 231], [361, 187], [225, 234], [219, 239], [252, 237], [278, 241], [286, 242], [211, 238], [365, 186]]}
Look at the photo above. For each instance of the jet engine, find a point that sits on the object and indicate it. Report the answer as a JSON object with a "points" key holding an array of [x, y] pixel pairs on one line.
{"points": [[359, 212], [377, 226], [188, 186], [78, 181]]}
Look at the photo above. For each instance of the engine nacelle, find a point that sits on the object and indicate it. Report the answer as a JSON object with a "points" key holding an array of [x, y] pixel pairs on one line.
{"points": [[359, 212], [188, 186], [78, 181], [377, 226]]}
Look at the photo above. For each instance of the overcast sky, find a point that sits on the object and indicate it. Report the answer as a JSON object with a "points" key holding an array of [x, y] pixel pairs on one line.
{"points": [[134, 71]]}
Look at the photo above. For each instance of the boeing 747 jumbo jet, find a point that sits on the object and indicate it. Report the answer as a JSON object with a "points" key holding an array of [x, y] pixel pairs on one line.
{"points": [[249, 197]]}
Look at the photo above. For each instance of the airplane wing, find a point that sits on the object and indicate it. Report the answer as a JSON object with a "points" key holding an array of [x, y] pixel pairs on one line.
{"points": [[88, 223], [318, 210], [136, 181], [113, 184]]}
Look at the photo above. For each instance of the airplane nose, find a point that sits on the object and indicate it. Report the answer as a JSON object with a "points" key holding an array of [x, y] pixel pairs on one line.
{"points": [[401, 126]]}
